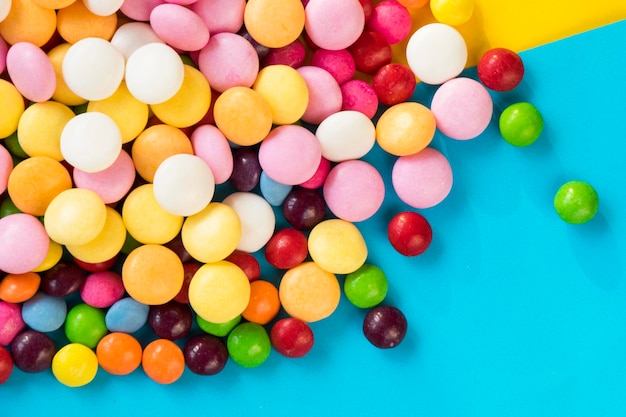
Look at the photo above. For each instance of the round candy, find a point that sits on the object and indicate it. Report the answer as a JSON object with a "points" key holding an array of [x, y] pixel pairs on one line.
{"points": [[324, 94], [183, 184], [163, 361], [75, 365], [11, 322], [422, 180], [462, 108], [76, 22], [354, 190], [28, 22], [219, 291], [106, 245], [40, 127], [521, 124], [405, 128], [285, 90], [139, 9], [53, 256], [340, 63], [218, 329], [32, 351], [257, 219], [303, 208], [249, 345], [292, 337], [243, 103], [154, 73], [346, 135], [385, 327], [292, 54], [247, 262], [264, 303], [359, 95], [220, 15], [5, 8], [318, 179], [210, 144], [286, 249], [85, 325], [126, 315], [576, 202], [17, 288], [409, 233], [132, 35], [321, 23], [23, 243], [262, 19], [391, 19], [31, 71], [103, 7], [436, 53], [64, 279], [119, 353], [500, 69], [371, 51], [171, 320], [453, 13], [246, 169], [394, 84], [112, 183], [179, 27], [205, 354], [44, 313], [93, 68], [337, 246], [308, 292], [366, 287], [12, 102], [102, 289], [6, 365], [62, 93], [152, 274], [274, 192]]}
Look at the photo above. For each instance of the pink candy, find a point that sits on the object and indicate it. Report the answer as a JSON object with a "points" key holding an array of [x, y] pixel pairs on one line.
{"points": [[6, 166], [325, 96], [112, 183], [340, 64], [102, 289], [11, 322], [31, 71], [24, 243], [392, 20], [360, 96], [332, 24], [212, 147], [139, 9], [220, 15], [180, 27]]}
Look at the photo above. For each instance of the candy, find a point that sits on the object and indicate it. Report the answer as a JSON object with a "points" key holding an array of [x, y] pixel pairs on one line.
{"points": [[179, 27], [247, 262], [359, 95], [6, 364], [462, 108], [23, 243], [293, 54], [85, 325], [93, 68], [141, 211], [126, 315], [11, 321], [304, 208], [76, 22], [318, 179], [521, 124], [152, 274], [132, 35], [205, 354], [308, 292], [171, 320], [62, 92], [385, 327], [209, 143], [17, 288], [393, 84], [436, 53], [139, 9], [334, 25], [346, 135], [5, 8], [285, 90], [53, 256], [102, 289], [103, 7], [218, 329], [163, 361], [264, 303], [119, 353], [286, 249], [409, 233], [263, 18], [32, 351], [154, 73], [219, 291], [63, 279], [451, 12], [274, 192], [112, 183], [190, 268], [324, 94], [75, 365], [28, 22], [31, 71], [366, 287], [391, 19], [13, 104], [337, 246], [246, 169], [292, 337], [370, 52], [576, 202], [257, 219], [340, 63], [40, 127], [44, 313], [220, 15], [350, 182], [249, 345], [500, 69], [405, 128], [174, 188]]}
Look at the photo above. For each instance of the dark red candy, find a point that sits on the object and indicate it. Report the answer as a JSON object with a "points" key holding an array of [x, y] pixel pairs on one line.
{"points": [[247, 262], [246, 169], [189, 269], [32, 351], [409, 233], [368, 8], [370, 52], [291, 337], [303, 208], [176, 245], [172, 320], [385, 326], [500, 69], [393, 84], [63, 279], [205, 354], [6, 365], [286, 248]]}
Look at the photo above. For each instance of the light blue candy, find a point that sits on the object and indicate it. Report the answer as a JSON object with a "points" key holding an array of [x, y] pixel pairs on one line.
{"points": [[273, 192], [44, 313], [126, 315]]}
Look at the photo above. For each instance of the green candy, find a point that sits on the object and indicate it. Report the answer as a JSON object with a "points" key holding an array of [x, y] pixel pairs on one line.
{"points": [[521, 124], [85, 325], [366, 287], [249, 345], [576, 202], [218, 329]]}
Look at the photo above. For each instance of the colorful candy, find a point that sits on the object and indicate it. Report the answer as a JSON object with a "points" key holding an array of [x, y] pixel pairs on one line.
{"points": [[119, 353], [500, 69], [292, 337], [521, 124], [205, 354], [44, 313], [32, 351], [366, 287], [409, 233], [249, 345], [576, 202], [75, 365], [385, 327]]}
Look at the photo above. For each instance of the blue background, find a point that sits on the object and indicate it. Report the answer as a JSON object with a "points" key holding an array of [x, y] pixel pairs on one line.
{"points": [[511, 311]]}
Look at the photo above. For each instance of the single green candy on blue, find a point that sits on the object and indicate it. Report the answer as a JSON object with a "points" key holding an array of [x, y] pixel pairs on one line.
{"points": [[249, 345], [366, 287], [521, 124], [576, 202]]}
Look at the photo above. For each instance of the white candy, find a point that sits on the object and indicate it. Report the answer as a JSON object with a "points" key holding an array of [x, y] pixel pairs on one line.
{"points": [[154, 73], [257, 219], [436, 53], [131, 36], [345, 135], [93, 68], [5, 8], [91, 141], [103, 7], [183, 184]]}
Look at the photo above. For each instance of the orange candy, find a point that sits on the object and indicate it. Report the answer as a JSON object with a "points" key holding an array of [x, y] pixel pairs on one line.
{"points": [[76, 22], [264, 303], [28, 22], [119, 353], [17, 288], [163, 361]]}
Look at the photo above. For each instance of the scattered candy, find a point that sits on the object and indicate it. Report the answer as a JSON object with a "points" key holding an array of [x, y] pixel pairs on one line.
{"points": [[17, 288], [346, 135], [163, 361], [286, 249], [171, 320], [385, 327], [405, 128], [205, 354], [500, 69], [521, 124], [85, 325], [366, 287], [119, 353], [576, 202], [409, 233], [264, 303]]}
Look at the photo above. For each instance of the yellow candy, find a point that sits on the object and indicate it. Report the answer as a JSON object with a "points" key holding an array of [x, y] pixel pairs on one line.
{"points": [[274, 23], [35, 182], [106, 245], [40, 127], [219, 292], [152, 274], [154, 145], [55, 252], [285, 91], [189, 104], [76, 22], [75, 365], [337, 246], [12, 105], [62, 92], [212, 234], [130, 114], [243, 116], [405, 128], [452, 12], [75, 217], [28, 22], [146, 220], [53, 4], [308, 292]]}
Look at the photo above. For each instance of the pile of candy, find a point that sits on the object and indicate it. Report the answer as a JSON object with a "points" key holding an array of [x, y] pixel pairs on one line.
{"points": [[149, 146]]}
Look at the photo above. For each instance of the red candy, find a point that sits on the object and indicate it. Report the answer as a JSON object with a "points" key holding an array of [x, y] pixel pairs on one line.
{"points": [[248, 264], [409, 233], [286, 249], [292, 337], [370, 52], [6, 365], [394, 83], [500, 69]]}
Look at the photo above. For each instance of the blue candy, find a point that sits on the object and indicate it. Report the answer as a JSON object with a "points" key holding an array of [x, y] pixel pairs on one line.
{"points": [[44, 313], [126, 315], [273, 192]]}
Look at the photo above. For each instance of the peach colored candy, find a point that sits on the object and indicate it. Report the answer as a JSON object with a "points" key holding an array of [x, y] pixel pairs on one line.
{"points": [[239, 104], [76, 22], [40, 127], [31, 71], [53, 4], [35, 182], [321, 23], [154, 145], [179, 27], [106, 244], [141, 212], [308, 292], [62, 92], [28, 22], [17, 288], [286, 92], [189, 104], [405, 128], [6, 166], [220, 15], [152, 274], [274, 23], [210, 144], [12, 105], [337, 246], [111, 184]]}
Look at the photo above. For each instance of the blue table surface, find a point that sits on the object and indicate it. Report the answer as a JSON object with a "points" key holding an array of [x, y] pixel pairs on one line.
{"points": [[511, 311]]}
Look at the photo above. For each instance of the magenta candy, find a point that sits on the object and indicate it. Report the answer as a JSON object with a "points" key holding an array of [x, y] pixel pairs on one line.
{"points": [[102, 289], [220, 15], [392, 20], [354, 190], [340, 64], [139, 9], [31, 71], [179, 27], [325, 96], [370, 51], [6, 166], [360, 96], [24, 243], [11, 322], [3, 54], [112, 183], [321, 22], [292, 55], [210, 144], [318, 179]]}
